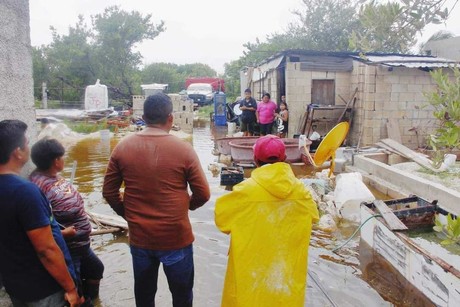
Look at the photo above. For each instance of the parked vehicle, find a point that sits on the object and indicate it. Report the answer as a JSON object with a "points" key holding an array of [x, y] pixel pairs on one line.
{"points": [[202, 90]]}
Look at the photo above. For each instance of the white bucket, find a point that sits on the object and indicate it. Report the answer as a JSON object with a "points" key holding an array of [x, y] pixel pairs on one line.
{"points": [[105, 134], [231, 128]]}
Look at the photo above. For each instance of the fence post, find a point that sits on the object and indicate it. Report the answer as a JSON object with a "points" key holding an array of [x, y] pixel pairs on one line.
{"points": [[44, 96]]}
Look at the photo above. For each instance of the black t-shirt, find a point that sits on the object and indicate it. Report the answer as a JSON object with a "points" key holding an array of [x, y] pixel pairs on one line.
{"points": [[248, 116]]}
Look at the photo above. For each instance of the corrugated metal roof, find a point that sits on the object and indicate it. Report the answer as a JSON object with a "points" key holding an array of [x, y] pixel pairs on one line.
{"points": [[372, 58], [409, 61]]}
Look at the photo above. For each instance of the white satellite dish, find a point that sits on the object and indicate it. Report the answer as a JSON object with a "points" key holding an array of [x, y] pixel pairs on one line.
{"points": [[236, 110]]}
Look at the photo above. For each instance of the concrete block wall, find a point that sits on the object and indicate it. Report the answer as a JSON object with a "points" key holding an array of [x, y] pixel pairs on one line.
{"points": [[298, 91], [298, 94], [16, 96], [268, 84], [181, 103], [396, 93], [182, 110], [184, 120]]}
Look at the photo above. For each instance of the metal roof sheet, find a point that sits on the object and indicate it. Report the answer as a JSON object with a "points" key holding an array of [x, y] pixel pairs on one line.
{"points": [[409, 61]]}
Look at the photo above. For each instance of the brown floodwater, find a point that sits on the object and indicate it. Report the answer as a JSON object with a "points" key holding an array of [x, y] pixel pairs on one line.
{"points": [[335, 279]]}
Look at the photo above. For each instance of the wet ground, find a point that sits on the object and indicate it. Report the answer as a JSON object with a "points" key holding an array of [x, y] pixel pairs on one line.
{"points": [[334, 278]]}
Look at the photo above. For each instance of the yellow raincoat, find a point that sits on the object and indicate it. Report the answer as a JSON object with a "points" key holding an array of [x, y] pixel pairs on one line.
{"points": [[269, 217]]}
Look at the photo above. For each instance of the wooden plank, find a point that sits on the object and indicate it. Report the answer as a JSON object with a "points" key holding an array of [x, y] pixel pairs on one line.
{"points": [[105, 231], [347, 105], [388, 148], [392, 220], [393, 130], [108, 220], [410, 154]]}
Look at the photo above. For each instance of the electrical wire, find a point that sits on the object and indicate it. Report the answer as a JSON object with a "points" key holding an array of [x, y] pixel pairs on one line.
{"points": [[356, 231]]}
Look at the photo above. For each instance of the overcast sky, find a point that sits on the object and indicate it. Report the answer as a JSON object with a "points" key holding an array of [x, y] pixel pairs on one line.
{"points": [[197, 31]]}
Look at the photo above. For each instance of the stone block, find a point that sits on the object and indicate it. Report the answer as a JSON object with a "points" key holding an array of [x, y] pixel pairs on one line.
{"points": [[385, 97], [399, 88], [383, 88], [406, 97], [138, 103], [319, 75], [184, 120], [394, 97], [392, 79], [407, 79]]}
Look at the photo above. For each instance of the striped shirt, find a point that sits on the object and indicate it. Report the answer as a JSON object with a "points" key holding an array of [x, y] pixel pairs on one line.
{"points": [[67, 205]]}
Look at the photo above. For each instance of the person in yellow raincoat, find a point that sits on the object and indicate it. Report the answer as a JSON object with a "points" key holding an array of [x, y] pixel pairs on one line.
{"points": [[269, 217]]}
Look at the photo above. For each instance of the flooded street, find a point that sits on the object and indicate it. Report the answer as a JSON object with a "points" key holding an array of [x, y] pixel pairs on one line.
{"points": [[334, 278]]}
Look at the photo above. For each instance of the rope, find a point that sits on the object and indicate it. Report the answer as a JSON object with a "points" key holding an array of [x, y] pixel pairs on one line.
{"points": [[356, 231]]}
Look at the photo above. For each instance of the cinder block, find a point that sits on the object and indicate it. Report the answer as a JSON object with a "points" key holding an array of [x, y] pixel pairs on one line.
{"points": [[404, 79], [138, 103], [392, 79], [415, 88], [184, 120], [383, 88], [400, 88]]}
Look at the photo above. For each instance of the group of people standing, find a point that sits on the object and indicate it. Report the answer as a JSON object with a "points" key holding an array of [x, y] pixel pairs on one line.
{"points": [[267, 114], [152, 180]]}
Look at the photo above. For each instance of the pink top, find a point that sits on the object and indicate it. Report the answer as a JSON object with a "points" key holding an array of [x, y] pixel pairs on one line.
{"points": [[266, 111]]}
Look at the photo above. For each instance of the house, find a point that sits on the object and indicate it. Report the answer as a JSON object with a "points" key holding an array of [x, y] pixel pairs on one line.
{"points": [[445, 48], [382, 87]]}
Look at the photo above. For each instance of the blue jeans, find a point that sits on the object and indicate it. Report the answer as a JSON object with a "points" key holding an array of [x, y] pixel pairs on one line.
{"points": [[178, 267]]}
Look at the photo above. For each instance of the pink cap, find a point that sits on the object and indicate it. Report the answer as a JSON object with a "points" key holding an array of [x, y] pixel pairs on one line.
{"points": [[269, 149]]}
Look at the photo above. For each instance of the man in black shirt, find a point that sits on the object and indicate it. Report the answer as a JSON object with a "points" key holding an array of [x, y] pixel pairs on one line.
{"points": [[248, 118]]}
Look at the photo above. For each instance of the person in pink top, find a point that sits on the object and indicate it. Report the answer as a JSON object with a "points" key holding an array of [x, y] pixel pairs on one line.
{"points": [[265, 114]]}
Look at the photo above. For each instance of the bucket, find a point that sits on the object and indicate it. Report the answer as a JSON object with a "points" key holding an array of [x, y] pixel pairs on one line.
{"points": [[105, 134], [231, 128]]}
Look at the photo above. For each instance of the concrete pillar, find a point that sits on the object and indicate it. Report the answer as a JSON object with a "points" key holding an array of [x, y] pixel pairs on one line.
{"points": [[16, 84]]}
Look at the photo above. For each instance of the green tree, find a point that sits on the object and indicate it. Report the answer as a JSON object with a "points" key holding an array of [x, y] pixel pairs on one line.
{"points": [[165, 73], [174, 75], [393, 26], [40, 70], [197, 70], [68, 59], [116, 33], [325, 24]]}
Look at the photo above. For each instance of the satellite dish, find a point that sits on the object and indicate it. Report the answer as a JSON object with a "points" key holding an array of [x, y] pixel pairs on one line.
{"points": [[236, 109]]}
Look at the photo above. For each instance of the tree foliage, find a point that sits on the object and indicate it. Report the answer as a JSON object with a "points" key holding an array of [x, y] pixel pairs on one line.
{"points": [[446, 104], [105, 51], [393, 26], [173, 74], [325, 24], [116, 33], [340, 25]]}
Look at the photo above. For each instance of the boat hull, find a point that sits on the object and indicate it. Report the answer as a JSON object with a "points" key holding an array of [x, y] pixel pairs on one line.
{"points": [[438, 280]]}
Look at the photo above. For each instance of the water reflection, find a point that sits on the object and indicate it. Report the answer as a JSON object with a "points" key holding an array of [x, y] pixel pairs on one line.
{"points": [[338, 271]]}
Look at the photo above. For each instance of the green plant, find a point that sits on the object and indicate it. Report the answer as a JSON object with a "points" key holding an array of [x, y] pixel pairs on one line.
{"points": [[451, 230], [204, 111], [87, 127], [446, 104]]}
